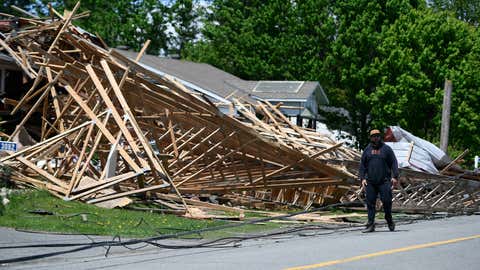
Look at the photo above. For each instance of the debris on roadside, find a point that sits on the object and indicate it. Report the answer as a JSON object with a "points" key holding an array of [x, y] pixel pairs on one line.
{"points": [[112, 132]]}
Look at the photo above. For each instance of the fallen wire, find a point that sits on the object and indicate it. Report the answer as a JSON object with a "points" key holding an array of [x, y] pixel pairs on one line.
{"points": [[217, 243]]}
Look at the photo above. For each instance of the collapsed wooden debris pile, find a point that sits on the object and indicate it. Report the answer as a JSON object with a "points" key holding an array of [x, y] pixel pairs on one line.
{"points": [[429, 180], [270, 122], [111, 129], [423, 192], [432, 182]]}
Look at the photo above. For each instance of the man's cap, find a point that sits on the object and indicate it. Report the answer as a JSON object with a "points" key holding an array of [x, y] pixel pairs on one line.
{"points": [[374, 131]]}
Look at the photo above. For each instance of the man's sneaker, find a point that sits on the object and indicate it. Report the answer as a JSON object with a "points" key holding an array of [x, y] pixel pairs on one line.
{"points": [[391, 226], [370, 228]]}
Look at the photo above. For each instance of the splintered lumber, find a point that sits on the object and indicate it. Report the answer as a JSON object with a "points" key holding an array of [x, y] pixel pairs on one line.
{"points": [[422, 192], [297, 129], [200, 203], [286, 168], [113, 128], [454, 161]]}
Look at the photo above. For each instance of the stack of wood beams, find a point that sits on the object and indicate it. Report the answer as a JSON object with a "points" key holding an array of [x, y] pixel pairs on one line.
{"points": [[271, 123], [112, 129], [422, 192]]}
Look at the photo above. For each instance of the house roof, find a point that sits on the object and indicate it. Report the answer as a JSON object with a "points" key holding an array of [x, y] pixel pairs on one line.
{"points": [[226, 85], [203, 75]]}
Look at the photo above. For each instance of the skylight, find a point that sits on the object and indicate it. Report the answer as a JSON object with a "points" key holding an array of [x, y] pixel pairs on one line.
{"points": [[277, 87]]}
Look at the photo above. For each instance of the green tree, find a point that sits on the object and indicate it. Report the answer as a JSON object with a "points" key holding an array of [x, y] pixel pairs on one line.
{"points": [[184, 17], [351, 73], [266, 39], [125, 22], [5, 6], [417, 54], [467, 10]]}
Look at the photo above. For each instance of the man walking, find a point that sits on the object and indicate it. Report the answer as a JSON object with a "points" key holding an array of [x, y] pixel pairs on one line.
{"points": [[378, 173]]}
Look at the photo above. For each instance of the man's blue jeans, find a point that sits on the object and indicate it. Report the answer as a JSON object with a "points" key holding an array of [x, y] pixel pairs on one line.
{"points": [[385, 191]]}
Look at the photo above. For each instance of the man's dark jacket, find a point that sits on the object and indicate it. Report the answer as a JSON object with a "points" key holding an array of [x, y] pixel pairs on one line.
{"points": [[378, 164]]}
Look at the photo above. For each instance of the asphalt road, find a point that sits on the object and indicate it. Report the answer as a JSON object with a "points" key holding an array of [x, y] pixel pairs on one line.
{"points": [[451, 243]]}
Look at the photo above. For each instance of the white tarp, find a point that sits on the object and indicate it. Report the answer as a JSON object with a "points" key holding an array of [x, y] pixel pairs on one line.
{"points": [[438, 157], [420, 159]]}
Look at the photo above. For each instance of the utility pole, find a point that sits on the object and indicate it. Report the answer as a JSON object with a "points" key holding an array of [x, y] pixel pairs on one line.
{"points": [[446, 116]]}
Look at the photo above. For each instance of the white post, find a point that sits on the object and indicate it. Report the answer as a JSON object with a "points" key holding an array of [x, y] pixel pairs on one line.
{"points": [[477, 158]]}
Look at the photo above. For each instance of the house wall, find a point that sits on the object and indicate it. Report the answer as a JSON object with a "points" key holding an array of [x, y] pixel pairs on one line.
{"points": [[290, 108], [293, 108], [312, 104]]}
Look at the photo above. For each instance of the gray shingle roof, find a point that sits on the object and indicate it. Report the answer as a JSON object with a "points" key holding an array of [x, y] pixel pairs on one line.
{"points": [[223, 83], [203, 75]]}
